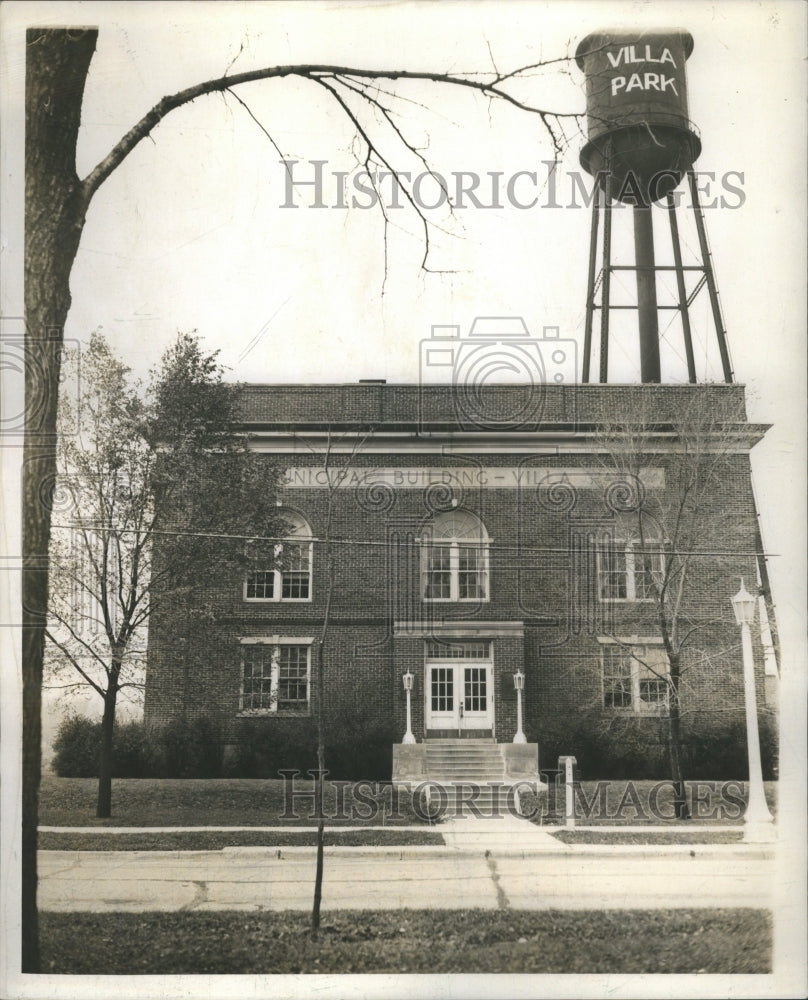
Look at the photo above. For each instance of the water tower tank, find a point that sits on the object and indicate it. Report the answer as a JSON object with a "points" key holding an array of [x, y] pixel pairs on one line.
{"points": [[636, 102]]}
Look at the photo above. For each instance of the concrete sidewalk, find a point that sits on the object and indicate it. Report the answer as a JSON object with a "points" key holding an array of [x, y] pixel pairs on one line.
{"points": [[261, 878]]}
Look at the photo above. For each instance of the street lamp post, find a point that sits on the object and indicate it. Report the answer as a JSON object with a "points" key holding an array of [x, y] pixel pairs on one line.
{"points": [[519, 684], [408, 679], [758, 823]]}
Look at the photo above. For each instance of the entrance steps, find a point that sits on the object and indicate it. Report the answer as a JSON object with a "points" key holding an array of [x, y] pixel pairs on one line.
{"points": [[464, 760], [469, 778]]}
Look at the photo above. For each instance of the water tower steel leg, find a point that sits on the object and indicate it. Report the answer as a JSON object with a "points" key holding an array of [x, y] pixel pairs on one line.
{"points": [[606, 282], [706, 257], [680, 284], [590, 290], [646, 294]]}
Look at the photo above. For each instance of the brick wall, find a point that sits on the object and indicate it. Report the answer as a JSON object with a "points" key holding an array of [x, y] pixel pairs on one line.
{"points": [[541, 574]]}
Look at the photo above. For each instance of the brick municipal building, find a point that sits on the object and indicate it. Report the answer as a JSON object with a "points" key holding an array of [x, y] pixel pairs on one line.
{"points": [[489, 560]]}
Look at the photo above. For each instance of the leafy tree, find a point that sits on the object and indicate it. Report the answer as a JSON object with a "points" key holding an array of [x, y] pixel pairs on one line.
{"points": [[158, 492]]}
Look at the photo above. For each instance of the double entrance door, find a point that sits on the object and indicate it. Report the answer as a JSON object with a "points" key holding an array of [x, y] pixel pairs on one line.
{"points": [[459, 695]]}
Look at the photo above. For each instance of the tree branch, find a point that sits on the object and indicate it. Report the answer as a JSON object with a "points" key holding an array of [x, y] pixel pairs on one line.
{"points": [[169, 103]]}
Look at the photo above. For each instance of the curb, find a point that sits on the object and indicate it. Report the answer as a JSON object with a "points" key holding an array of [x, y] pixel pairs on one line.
{"points": [[751, 852]]}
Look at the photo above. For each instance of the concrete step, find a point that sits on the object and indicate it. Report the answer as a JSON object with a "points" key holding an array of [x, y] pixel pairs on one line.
{"points": [[465, 761], [491, 760], [468, 773], [457, 779], [464, 757], [461, 742], [474, 762]]}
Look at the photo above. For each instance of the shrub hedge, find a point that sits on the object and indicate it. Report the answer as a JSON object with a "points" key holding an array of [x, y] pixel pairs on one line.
{"points": [[712, 746], [355, 748]]}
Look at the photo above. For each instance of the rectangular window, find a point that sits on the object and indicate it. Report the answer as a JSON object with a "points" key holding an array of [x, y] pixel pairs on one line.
{"points": [[612, 573], [275, 678], [652, 684], [437, 650], [475, 696], [295, 574], [442, 693], [471, 583], [257, 678], [293, 678], [438, 576], [628, 571], [647, 572], [616, 677], [635, 678], [290, 581], [260, 586]]}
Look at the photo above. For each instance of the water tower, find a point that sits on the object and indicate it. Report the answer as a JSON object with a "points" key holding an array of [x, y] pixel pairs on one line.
{"points": [[641, 144]]}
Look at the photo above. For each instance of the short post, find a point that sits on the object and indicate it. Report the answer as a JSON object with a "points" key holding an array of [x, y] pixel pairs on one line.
{"points": [[758, 823], [519, 684], [569, 790], [408, 679]]}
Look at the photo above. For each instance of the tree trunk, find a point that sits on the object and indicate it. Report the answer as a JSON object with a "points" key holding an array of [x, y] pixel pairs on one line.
{"points": [[318, 796], [318, 875], [57, 62], [104, 806], [674, 741]]}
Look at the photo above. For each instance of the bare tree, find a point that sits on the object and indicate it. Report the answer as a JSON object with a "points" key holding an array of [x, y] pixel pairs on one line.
{"points": [[335, 474], [56, 204], [673, 540]]}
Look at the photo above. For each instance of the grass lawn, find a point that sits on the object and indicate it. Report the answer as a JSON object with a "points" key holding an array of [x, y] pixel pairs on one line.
{"points": [[637, 803], [215, 802], [260, 802], [205, 840], [409, 941]]}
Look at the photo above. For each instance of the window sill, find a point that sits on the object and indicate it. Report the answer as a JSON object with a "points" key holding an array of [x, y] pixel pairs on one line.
{"points": [[626, 600], [277, 600], [460, 600], [637, 713], [267, 713]]}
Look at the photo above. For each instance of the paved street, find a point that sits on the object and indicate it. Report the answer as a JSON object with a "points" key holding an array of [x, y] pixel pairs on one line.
{"points": [[281, 878]]}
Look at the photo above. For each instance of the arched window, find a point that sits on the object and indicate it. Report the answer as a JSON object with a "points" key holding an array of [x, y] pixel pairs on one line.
{"points": [[290, 578], [454, 558]]}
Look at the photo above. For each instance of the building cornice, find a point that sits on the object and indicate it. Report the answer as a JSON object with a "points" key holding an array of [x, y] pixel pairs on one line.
{"points": [[297, 441]]}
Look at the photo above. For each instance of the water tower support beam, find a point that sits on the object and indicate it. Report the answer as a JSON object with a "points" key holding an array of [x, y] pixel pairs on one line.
{"points": [[646, 294], [680, 284], [606, 281], [706, 257], [590, 290]]}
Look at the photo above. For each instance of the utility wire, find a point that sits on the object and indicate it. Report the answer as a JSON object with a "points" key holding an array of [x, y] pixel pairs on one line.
{"points": [[304, 539]]}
